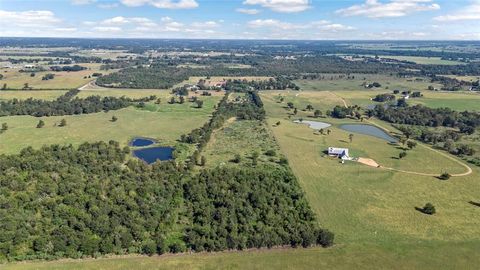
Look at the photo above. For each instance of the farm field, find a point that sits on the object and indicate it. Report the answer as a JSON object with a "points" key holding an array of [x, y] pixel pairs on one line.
{"points": [[62, 80], [36, 94], [332, 82], [460, 101], [164, 122], [463, 78], [423, 60]]}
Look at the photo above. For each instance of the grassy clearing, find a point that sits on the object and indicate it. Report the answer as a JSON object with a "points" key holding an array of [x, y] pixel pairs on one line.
{"points": [[331, 82], [163, 122], [243, 138], [463, 78], [36, 94], [63, 80], [460, 101], [340, 257], [424, 60]]}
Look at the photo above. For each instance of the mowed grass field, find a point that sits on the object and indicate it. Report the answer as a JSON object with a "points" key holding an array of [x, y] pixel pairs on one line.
{"points": [[460, 101], [164, 122], [26, 94], [332, 82], [372, 208], [63, 80], [424, 60]]}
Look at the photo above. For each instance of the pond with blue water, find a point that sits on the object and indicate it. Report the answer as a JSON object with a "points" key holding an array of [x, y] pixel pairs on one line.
{"points": [[141, 142], [152, 154], [369, 130]]}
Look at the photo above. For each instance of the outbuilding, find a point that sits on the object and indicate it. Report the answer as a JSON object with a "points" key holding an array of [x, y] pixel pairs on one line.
{"points": [[338, 152]]}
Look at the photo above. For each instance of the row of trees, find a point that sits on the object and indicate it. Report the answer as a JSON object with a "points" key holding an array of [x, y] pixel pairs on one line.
{"points": [[66, 105], [432, 117]]}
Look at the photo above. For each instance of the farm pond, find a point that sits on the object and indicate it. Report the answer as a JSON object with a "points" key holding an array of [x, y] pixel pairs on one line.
{"points": [[369, 130], [313, 124], [150, 154]]}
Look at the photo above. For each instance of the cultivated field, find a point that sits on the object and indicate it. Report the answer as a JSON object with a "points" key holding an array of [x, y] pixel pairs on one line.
{"points": [[36, 94]]}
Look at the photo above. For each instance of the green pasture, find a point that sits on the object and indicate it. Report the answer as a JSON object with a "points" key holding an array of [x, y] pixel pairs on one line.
{"points": [[164, 122]]}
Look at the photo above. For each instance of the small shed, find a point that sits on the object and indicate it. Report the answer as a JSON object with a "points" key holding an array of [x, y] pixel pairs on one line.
{"points": [[338, 152]]}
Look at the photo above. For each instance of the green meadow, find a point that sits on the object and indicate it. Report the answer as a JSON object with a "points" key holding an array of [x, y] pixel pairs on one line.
{"points": [[164, 122]]}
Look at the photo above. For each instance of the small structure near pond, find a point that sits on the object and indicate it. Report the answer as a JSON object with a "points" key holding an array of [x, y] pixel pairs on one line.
{"points": [[339, 152]]}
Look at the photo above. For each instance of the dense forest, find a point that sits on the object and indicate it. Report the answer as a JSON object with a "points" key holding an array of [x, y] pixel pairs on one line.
{"points": [[66, 105]]}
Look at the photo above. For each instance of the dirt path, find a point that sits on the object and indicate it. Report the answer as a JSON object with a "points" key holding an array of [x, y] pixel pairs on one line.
{"points": [[343, 100]]}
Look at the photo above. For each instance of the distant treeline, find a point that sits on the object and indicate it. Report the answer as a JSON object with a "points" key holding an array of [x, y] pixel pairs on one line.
{"points": [[425, 116], [160, 75], [66, 105]]}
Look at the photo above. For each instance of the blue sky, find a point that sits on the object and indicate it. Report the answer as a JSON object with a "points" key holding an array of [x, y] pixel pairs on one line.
{"points": [[243, 19]]}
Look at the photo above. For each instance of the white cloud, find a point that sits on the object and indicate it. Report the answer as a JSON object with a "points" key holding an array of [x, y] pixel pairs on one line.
{"points": [[285, 6], [116, 21], [31, 18], [207, 24], [471, 12], [108, 5], [82, 2], [321, 25], [167, 4], [107, 29], [65, 29], [394, 8], [249, 11]]}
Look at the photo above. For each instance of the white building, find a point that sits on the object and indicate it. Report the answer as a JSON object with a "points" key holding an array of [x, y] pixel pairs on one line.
{"points": [[338, 152]]}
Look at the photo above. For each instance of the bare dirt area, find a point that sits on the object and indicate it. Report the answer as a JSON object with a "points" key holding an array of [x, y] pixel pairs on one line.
{"points": [[368, 161]]}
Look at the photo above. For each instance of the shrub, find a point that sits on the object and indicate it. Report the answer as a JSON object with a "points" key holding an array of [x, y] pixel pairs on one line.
{"points": [[428, 209], [444, 176]]}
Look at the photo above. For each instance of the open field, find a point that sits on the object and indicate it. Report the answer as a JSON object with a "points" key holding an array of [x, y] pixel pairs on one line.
{"points": [[36, 94], [243, 138], [460, 101], [165, 122], [63, 79], [331, 82], [423, 60], [373, 206], [463, 78]]}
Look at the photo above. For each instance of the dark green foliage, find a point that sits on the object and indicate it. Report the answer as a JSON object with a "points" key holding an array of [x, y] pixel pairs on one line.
{"points": [[425, 116], [444, 176], [384, 97], [343, 112], [279, 83], [4, 127], [157, 77], [237, 158], [65, 105], [63, 123], [48, 76], [238, 208], [40, 124], [114, 118], [67, 68], [60, 201], [402, 155], [271, 153], [428, 209]]}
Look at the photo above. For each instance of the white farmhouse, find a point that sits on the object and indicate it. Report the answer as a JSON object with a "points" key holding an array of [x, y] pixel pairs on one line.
{"points": [[338, 152]]}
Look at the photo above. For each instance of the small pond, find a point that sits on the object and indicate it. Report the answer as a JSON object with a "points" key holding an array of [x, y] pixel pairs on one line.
{"points": [[369, 130], [150, 155], [313, 124], [141, 142]]}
